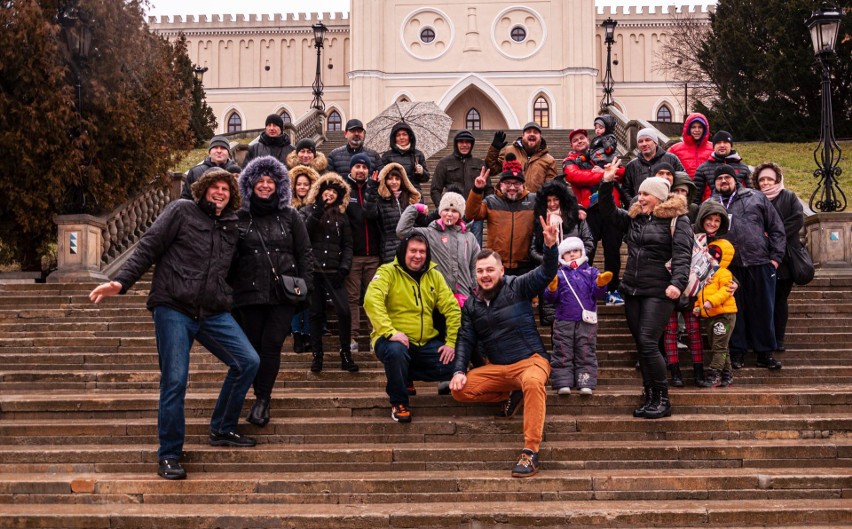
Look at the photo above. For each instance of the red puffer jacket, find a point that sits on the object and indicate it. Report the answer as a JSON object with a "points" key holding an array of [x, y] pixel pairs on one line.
{"points": [[690, 152], [577, 171]]}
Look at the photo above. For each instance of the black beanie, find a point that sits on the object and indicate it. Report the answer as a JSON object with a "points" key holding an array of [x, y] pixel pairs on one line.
{"points": [[724, 169], [306, 143], [276, 119], [723, 135], [662, 165]]}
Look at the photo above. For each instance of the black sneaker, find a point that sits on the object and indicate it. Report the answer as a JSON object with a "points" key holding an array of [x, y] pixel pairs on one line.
{"points": [[444, 388], [511, 406], [231, 439], [401, 413], [768, 361], [527, 466], [170, 469]]}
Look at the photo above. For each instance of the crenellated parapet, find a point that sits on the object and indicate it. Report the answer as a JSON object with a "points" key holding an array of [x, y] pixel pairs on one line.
{"points": [[278, 23], [651, 17]]}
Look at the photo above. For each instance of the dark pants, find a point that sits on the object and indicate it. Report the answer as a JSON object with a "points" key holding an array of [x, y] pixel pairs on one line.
{"points": [[755, 328], [323, 286], [782, 312], [719, 329], [266, 326], [611, 237], [647, 318], [408, 364]]}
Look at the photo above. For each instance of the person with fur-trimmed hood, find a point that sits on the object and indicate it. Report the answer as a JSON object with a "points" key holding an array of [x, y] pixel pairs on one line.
{"points": [[695, 148], [192, 242], [331, 247], [302, 177], [403, 151], [558, 206], [650, 288], [306, 154], [272, 235], [386, 198]]}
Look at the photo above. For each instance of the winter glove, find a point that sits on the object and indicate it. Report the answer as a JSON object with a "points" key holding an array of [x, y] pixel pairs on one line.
{"points": [[554, 284], [603, 279], [499, 140], [421, 208]]}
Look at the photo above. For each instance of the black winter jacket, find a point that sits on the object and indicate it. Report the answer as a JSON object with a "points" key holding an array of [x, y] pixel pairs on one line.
{"points": [[504, 329], [792, 216], [408, 159], [457, 171], [338, 159], [755, 230], [705, 175], [650, 244], [383, 207], [195, 173], [278, 147], [571, 227], [193, 252], [366, 231], [289, 247], [639, 169]]}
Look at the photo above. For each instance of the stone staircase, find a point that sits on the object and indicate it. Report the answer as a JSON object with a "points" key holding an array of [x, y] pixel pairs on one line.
{"points": [[78, 402]]}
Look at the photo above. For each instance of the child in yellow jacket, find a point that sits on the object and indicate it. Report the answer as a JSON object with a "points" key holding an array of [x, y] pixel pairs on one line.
{"points": [[716, 305]]}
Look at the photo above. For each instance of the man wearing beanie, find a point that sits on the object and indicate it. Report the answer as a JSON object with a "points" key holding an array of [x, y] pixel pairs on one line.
{"points": [[366, 239], [273, 141], [723, 154], [530, 150], [338, 159], [219, 155], [641, 167], [758, 236], [459, 170], [509, 212], [306, 154]]}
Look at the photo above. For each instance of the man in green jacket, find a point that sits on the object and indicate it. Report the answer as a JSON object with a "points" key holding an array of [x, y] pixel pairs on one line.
{"points": [[400, 301]]}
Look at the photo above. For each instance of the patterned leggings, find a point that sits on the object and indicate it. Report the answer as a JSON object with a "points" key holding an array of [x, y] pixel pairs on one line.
{"points": [[693, 331]]}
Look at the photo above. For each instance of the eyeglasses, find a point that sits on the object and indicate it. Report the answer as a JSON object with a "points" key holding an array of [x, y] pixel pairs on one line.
{"points": [[513, 184]]}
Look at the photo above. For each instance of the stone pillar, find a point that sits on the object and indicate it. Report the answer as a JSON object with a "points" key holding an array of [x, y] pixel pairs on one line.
{"points": [[829, 241], [80, 248]]}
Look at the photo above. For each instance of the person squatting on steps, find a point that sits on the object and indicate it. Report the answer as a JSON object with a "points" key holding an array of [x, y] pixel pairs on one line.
{"points": [[498, 321], [650, 290], [273, 241], [192, 243]]}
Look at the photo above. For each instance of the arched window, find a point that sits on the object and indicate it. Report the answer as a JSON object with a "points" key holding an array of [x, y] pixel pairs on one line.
{"points": [[664, 114], [473, 121], [286, 117], [541, 112], [403, 99], [334, 121], [235, 123]]}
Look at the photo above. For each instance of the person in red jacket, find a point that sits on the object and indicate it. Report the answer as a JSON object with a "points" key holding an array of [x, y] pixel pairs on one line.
{"points": [[584, 178], [696, 147]]}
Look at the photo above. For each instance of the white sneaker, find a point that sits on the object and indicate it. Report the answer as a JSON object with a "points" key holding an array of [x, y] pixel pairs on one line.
{"points": [[563, 391], [586, 391], [353, 346]]}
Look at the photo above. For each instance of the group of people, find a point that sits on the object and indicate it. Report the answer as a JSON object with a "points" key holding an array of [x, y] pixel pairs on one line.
{"points": [[354, 228]]}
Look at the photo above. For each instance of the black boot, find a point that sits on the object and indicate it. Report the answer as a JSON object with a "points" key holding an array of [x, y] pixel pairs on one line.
{"points": [[677, 376], [737, 360], [316, 363], [768, 361], [660, 405], [259, 413], [346, 362], [698, 374], [726, 378], [646, 400], [298, 342], [711, 380]]}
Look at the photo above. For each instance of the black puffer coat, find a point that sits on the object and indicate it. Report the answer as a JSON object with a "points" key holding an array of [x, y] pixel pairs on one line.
{"points": [[284, 236], [366, 232], [330, 234], [195, 173], [639, 169], [408, 158], [386, 209], [338, 159], [571, 227], [459, 171], [705, 175], [650, 244], [278, 147]]}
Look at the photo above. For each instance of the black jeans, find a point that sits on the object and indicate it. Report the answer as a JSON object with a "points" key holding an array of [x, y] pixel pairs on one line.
{"points": [[755, 328], [266, 326], [326, 283], [611, 238], [647, 318]]}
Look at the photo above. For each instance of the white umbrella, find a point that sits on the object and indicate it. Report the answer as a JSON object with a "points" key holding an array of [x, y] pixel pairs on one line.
{"points": [[430, 124]]}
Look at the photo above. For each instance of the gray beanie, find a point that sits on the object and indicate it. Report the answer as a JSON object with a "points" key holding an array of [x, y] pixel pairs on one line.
{"points": [[452, 200], [648, 132], [656, 186], [219, 141]]}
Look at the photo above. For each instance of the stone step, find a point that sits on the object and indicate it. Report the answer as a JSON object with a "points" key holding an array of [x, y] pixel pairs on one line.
{"points": [[485, 514]]}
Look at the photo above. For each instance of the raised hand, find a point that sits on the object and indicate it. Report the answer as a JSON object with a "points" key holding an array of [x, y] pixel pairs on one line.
{"points": [[610, 170], [549, 231], [499, 140], [482, 179]]}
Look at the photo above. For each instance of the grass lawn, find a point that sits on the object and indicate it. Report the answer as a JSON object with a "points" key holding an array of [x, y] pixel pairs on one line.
{"points": [[797, 162]]}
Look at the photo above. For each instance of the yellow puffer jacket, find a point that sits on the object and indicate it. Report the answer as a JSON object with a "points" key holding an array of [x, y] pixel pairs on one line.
{"points": [[716, 291]]}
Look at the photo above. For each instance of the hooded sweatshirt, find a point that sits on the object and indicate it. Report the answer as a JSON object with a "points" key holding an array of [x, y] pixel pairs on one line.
{"points": [[408, 158], [690, 152]]}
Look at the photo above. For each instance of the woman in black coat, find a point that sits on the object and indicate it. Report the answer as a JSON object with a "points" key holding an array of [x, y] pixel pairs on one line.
{"points": [[385, 200], [403, 150], [649, 288], [331, 247], [271, 234], [770, 181]]}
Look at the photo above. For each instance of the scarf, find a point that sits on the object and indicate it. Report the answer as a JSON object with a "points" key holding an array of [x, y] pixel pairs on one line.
{"points": [[401, 148], [773, 191], [263, 206], [277, 141]]}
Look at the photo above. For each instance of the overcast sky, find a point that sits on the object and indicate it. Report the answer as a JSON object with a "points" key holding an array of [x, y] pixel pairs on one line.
{"points": [[210, 7]]}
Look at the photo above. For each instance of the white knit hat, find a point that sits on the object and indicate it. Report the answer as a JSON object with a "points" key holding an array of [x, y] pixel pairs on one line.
{"points": [[648, 132], [568, 244], [656, 186], [452, 200]]}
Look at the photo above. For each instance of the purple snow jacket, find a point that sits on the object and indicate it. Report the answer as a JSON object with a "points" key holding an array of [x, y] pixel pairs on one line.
{"points": [[583, 280]]}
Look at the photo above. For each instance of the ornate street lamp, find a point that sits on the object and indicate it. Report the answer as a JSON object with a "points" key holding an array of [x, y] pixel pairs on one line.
{"points": [[319, 33], [609, 37], [198, 72], [824, 25]]}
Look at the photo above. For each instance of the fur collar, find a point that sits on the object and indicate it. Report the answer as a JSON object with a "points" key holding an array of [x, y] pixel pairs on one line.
{"points": [[385, 193], [295, 173], [320, 163], [337, 181], [673, 207]]}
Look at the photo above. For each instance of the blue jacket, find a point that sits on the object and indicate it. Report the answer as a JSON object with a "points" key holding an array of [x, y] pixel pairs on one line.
{"points": [[505, 328]]}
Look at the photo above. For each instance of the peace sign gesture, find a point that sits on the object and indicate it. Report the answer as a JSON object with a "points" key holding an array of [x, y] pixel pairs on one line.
{"points": [[482, 179]]}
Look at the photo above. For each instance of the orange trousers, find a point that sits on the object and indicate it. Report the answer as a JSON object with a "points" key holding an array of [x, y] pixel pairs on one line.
{"points": [[492, 383]]}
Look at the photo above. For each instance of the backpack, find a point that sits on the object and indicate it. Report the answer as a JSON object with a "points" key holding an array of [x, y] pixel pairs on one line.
{"points": [[701, 267]]}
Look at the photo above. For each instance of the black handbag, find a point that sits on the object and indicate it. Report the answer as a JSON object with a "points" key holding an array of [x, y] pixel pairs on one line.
{"points": [[801, 265], [287, 288]]}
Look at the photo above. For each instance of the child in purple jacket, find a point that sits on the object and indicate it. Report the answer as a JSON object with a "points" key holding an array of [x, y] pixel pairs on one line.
{"points": [[575, 291]]}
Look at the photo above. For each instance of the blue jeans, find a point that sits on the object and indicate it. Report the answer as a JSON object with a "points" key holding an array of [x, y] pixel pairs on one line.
{"points": [[476, 227], [221, 335], [415, 363], [300, 323]]}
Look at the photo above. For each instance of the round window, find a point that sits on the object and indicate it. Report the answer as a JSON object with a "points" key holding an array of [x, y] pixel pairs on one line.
{"points": [[519, 34], [427, 35]]}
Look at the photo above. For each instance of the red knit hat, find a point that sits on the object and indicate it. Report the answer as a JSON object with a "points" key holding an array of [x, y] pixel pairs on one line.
{"points": [[574, 132]]}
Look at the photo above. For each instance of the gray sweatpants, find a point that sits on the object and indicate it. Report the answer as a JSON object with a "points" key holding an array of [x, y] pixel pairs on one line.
{"points": [[574, 362]]}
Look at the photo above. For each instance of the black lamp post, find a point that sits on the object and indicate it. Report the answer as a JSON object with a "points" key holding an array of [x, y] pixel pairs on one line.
{"points": [[319, 33], [609, 37], [824, 25], [198, 72]]}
